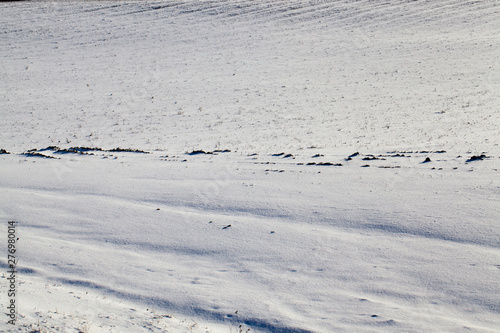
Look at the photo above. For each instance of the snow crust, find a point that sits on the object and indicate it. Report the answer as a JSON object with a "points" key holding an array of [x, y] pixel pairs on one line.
{"points": [[306, 166]]}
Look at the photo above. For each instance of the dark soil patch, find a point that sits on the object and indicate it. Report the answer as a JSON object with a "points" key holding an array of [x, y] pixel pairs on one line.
{"points": [[477, 158], [129, 150], [325, 164], [351, 156], [36, 154], [200, 152], [371, 158]]}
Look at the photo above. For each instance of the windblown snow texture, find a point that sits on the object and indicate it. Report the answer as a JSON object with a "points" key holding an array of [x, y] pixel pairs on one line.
{"points": [[305, 166]]}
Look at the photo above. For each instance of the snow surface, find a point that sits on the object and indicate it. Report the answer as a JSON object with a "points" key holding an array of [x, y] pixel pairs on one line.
{"points": [[237, 197]]}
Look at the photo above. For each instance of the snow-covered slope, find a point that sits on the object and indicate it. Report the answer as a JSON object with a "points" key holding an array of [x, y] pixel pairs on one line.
{"points": [[252, 75], [306, 166]]}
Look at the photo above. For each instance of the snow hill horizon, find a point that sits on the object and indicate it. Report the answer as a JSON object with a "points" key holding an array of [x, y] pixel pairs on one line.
{"points": [[251, 166]]}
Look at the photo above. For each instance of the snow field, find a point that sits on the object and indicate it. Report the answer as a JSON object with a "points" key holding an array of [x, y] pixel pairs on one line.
{"points": [[276, 176]]}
